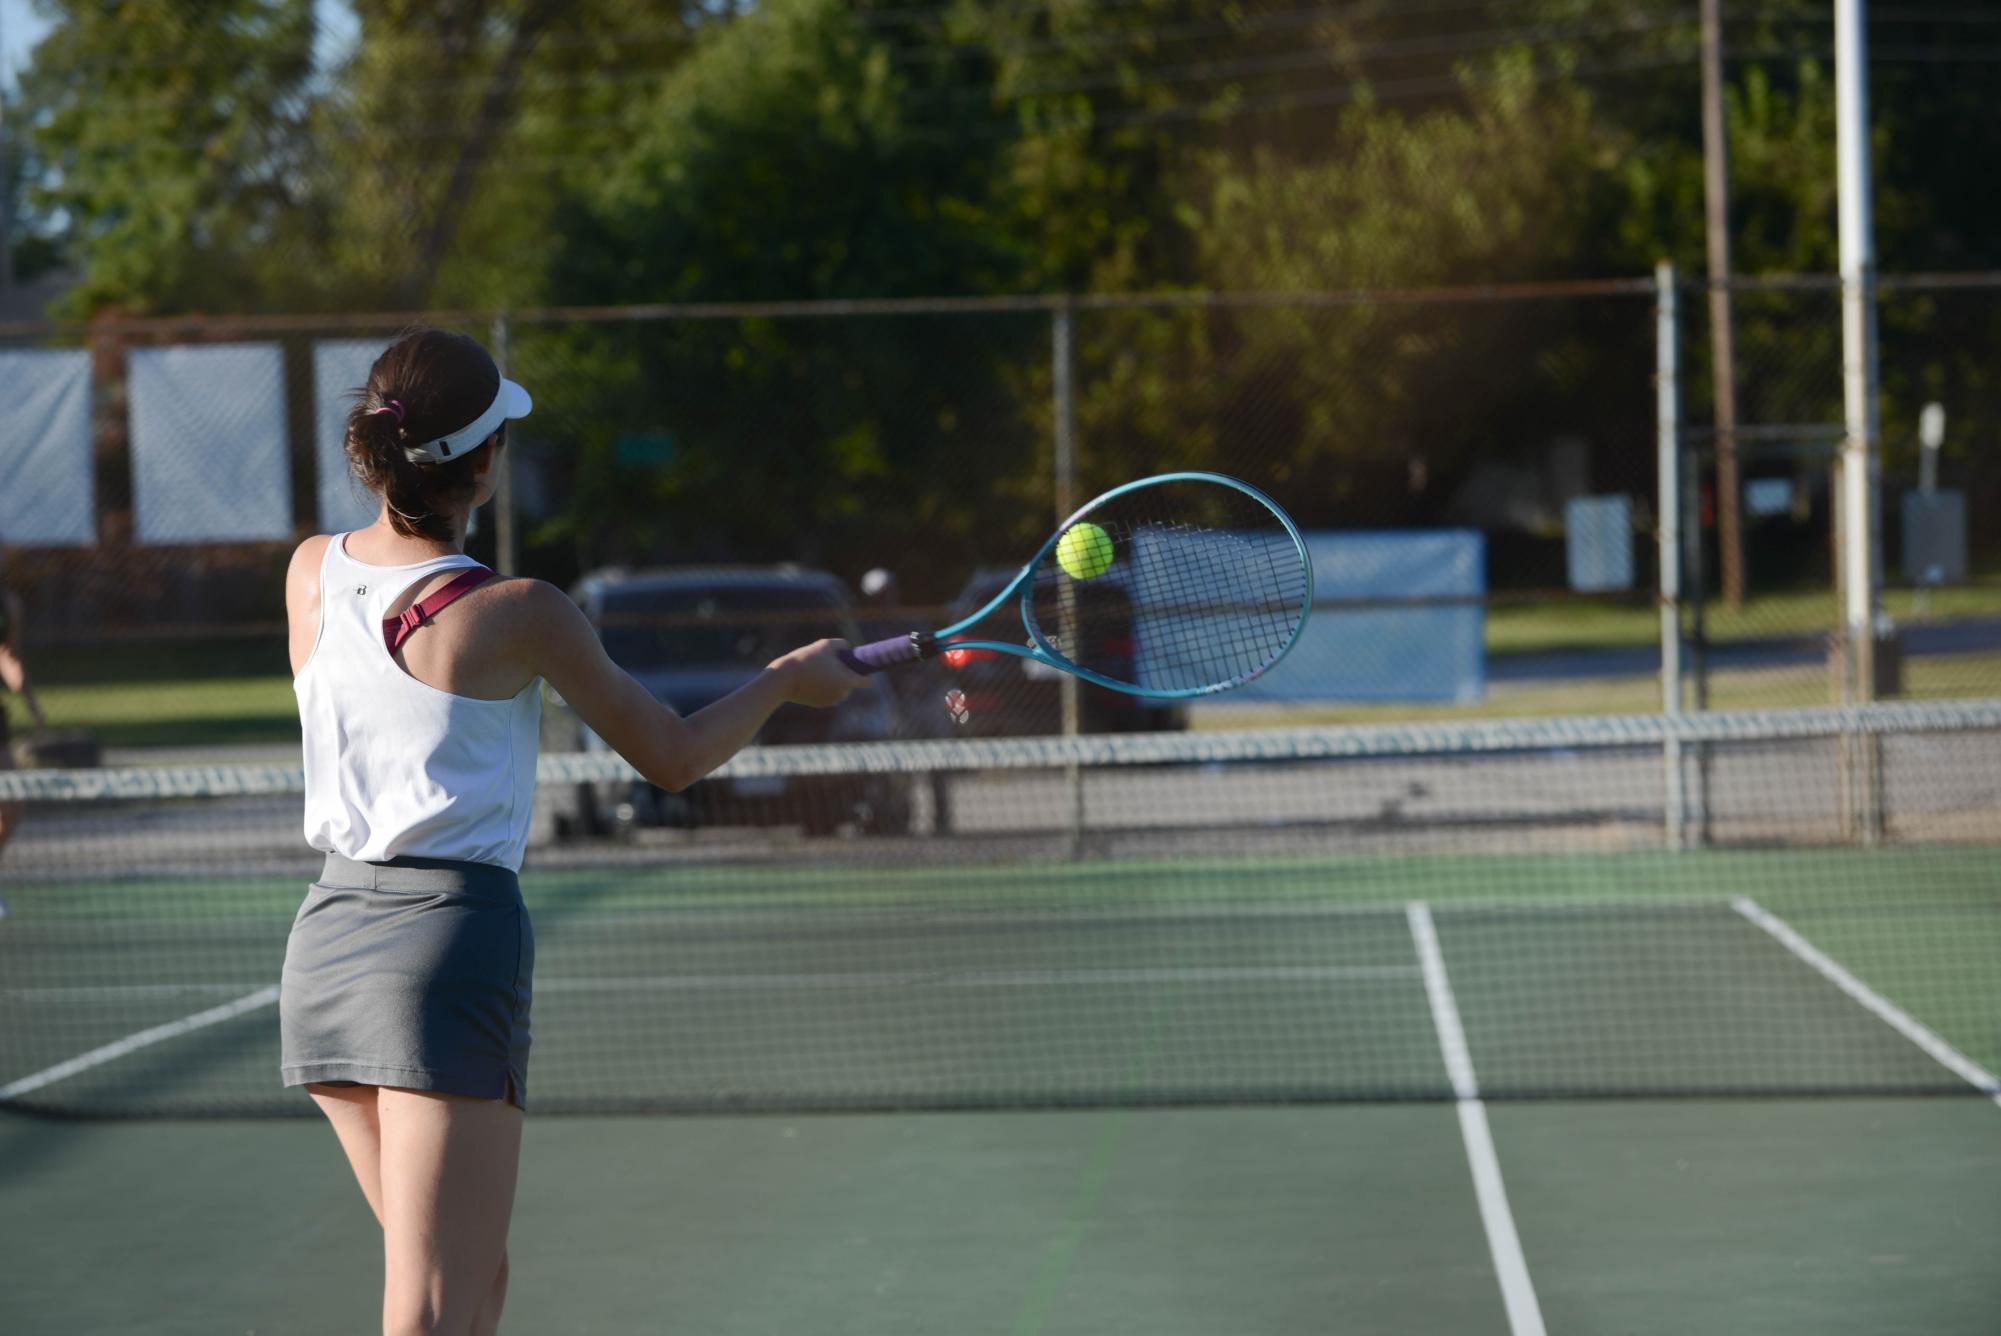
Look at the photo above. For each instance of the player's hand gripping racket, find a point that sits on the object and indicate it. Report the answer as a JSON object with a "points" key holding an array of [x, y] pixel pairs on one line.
{"points": [[1180, 585]]}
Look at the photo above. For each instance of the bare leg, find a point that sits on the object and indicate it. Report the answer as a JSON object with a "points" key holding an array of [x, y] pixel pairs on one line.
{"points": [[448, 1169], [351, 1110], [10, 813], [487, 1320]]}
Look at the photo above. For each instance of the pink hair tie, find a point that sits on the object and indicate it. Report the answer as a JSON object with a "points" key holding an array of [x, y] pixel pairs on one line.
{"points": [[390, 406]]}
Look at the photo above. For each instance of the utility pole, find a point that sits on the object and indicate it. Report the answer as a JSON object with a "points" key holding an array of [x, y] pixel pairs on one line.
{"points": [[1716, 191], [6, 174]]}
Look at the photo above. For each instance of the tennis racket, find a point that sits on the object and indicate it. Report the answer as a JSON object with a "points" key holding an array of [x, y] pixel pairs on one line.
{"points": [[1179, 585]]}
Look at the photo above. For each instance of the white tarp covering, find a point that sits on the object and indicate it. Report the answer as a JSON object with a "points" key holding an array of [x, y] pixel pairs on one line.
{"points": [[45, 466], [1420, 652], [340, 366], [1598, 542], [208, 444]]}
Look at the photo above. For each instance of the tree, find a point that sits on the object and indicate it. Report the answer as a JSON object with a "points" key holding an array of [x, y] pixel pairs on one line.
{"points": [[793, 156], [166, 142], [454, 132]]}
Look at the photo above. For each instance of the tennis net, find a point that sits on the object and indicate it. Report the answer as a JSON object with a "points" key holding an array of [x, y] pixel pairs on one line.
{"points": [[1778, 903]]}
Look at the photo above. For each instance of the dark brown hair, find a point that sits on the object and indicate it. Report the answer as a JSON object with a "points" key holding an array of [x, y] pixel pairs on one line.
{"points": [[435, 382]]}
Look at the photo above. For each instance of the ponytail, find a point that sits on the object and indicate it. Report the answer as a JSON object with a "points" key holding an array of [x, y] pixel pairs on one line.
{"points": [[427, 384]]}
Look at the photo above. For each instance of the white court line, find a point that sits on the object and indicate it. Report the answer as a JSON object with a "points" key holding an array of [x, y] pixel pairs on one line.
{"points": [[1905, 1024], [263, 997], [1505, 1245], [804, 982]]}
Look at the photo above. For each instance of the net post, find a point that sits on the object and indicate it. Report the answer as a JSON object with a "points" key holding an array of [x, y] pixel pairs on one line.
{"points": [[1668, 514], [503, 493], [1063, 368]]}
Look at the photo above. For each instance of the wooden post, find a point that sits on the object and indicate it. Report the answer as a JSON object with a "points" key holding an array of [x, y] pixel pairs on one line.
{"points": [[505, 557], [1716, 193]]}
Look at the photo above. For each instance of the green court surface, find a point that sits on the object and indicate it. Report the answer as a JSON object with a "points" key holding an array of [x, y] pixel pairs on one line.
{"points": [[1281, 1094], [723, 988], [1842, 1216]]}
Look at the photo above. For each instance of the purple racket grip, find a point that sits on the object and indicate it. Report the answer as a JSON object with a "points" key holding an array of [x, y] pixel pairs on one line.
{"points": [[873, 658]]}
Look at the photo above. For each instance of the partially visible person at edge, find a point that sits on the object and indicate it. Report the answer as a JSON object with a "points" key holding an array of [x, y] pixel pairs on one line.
{"points": [[13, 676], [407, 978]]}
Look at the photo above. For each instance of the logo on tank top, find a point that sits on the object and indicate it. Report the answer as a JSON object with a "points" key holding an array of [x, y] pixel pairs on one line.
{"points": [[361, 589]]}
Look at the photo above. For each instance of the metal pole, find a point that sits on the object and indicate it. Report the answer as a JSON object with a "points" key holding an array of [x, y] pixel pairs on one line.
{"points": [[1063, 366], [1931, 435], [1667, 406], [1860, 553], [1858, 349], [504, 556], [6, 176], [1722, 343]]}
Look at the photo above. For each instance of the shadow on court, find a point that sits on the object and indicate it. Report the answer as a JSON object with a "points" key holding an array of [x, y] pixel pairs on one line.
{"points": [[1825, 1216]]}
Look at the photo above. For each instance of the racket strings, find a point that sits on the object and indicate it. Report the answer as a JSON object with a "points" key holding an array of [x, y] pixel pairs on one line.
{"points": [[1187, 604]]}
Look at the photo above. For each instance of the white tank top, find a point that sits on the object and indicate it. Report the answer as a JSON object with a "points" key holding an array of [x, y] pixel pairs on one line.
{"points": [[395, 766]]}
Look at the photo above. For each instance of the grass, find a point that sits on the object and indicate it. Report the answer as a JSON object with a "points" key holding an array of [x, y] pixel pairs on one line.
{"points": [[189, 695], [174, 712], [1933, 677], [1595, 623], [190, 713]]}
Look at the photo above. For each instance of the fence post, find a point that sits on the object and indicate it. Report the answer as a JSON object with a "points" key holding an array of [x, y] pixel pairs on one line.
{"points": [[1861, 753], [1063, 367], [1667, 448], [504, 557]]}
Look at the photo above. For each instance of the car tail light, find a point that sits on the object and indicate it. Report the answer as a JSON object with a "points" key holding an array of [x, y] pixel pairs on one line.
{"points": [[959, 658]]}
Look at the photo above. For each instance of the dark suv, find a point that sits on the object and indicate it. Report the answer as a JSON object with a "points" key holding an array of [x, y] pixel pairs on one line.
{"points": [[1006, 694], [692, 635]]}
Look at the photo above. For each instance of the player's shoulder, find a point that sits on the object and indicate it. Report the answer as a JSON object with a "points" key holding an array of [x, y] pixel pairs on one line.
{"points": [[532, 605], [309, 554], [302, 576], [538, 622]]}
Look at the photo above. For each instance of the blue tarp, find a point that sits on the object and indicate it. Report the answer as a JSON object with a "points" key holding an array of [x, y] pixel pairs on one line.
{"points": [[209, 460], [1388, 654], [45, 466], [340, 367]]}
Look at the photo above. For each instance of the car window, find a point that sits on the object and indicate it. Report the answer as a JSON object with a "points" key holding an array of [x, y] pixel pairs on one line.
{"points": [[653, 630]]}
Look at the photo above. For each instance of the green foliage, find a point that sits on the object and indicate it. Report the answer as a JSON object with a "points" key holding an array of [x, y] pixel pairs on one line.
{"points": [[455, 130], [791, 157], [480, 153], [165, 138]]}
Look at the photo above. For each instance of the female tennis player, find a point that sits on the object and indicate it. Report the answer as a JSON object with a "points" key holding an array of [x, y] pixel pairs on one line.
{"points": [[14, 677], [405, 995]]}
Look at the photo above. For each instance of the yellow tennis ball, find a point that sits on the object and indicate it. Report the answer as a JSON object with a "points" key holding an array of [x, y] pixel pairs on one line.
{"points": [[1084, 552]]}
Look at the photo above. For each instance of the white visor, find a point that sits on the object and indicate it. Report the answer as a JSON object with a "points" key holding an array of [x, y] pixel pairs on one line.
{"points": [[510, 401]]}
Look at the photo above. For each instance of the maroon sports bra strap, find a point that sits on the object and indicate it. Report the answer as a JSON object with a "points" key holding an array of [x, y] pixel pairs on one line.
{"points": [[397, 629]]}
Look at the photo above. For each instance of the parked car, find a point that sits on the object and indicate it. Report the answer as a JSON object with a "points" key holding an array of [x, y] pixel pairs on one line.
{"points": [[1004, 694], [692, 635]]}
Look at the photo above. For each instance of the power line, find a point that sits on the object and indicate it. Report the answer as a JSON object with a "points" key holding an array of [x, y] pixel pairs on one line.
{"points": [[1154, 77]]}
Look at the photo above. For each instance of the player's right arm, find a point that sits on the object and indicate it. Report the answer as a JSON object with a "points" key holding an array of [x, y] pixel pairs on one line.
{"points": [[561, 646], [14, 672]]}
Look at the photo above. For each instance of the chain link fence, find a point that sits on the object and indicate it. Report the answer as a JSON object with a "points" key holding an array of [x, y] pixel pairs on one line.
{"points": [[1764, 621], [1476, 470]]}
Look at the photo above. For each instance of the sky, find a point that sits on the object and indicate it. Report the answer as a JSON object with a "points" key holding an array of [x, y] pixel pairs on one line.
{"points": [[21, 28]]}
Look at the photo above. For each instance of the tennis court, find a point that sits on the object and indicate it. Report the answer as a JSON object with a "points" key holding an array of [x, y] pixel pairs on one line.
{"points": [[1439, 1029]]}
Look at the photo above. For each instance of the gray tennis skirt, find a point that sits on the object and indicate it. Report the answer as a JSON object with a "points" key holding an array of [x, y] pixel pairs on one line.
{"points": [[412, 973]]}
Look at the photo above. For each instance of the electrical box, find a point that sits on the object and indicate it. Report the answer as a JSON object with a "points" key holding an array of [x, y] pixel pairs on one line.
{"points": [[1598, 543], [1935, 538]]}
